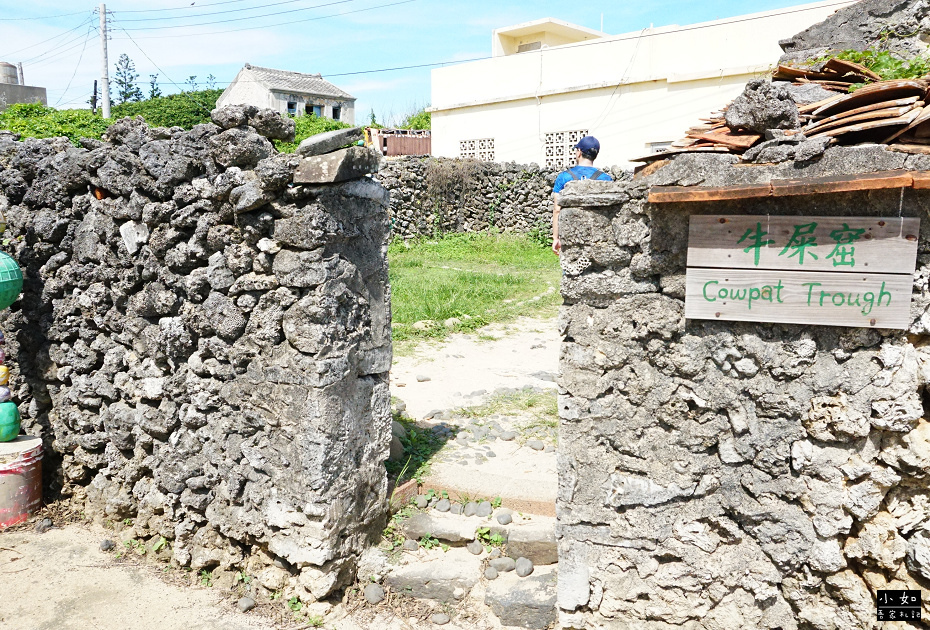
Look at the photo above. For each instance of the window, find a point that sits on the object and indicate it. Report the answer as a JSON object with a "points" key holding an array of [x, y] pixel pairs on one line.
{"points": [[558, 149], [337, 112], [316, 110], [292, 108], [528, 47], [482, 149]]}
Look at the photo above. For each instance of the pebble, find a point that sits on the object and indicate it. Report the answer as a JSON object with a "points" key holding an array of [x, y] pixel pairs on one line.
{"points": [[443, 505], [422, 501], [440, 619], [536, 445], [475, 548], [504, 519], [107, 545], [524, 567], [458, 593], [434, 502], [411, 545], [503, 564], [491, 454], [479, 392], [495, 553], [470, 508], [456, 508], [374, 594], [484, 509], [44, 525], [549, 449], [490, 573], [246, 604], [422, 378], [508, 436]]}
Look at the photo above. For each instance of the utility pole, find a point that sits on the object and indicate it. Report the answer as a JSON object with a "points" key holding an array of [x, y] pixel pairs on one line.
{"points": [[93, 99], [105, 91]]}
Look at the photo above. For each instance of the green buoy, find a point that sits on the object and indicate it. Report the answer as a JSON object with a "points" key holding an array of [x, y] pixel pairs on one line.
{"points": [[9, 421], [11, 280]]}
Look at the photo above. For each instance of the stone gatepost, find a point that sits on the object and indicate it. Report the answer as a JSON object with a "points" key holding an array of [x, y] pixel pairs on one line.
{"points": [[204, 341], [721, 474]]}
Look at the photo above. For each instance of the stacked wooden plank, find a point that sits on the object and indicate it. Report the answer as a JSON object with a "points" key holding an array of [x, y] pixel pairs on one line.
{"points": [[878, 112], [837, 75], [865, 109]]}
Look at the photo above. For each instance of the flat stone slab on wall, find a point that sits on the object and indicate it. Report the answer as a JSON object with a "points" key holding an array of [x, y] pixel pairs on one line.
{"points": [[718, 475], [203, 346]]}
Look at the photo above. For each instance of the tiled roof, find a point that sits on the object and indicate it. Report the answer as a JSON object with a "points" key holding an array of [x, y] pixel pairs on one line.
{"points": [[285, 80]]}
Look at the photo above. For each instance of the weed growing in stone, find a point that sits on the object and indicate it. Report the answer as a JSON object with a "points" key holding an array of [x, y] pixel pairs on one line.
{"points": [[489, 540], [420, 445], [206, 578], [429, 541]]}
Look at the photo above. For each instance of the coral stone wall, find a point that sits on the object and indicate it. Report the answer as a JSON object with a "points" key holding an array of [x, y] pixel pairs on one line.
{"points": [[205, 348], [721, 475], [434, 195]]}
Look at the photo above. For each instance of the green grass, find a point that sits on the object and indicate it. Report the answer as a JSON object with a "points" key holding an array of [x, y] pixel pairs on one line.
{"points": [[479, 278], [542, 407]]}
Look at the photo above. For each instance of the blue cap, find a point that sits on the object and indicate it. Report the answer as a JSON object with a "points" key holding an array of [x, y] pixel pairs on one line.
{"points": [[588, 143]]}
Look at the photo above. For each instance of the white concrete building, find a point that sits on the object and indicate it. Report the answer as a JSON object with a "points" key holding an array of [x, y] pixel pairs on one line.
{"points": [[549, 82], [289, 92]]}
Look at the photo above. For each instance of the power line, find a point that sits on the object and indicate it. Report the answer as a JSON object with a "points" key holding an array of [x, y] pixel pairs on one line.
{"points": [[43, 17], [78, 65], [211, 4], [78, 27], [184, 17], [239, 30], [57, 51], [239, 19], [156, 65]]}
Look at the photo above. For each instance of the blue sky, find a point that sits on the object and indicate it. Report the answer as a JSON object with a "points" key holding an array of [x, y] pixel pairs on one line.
{"points": [[342, 39]]}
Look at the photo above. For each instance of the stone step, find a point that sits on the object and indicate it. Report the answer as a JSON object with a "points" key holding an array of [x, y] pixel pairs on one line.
{"points": [[528, 602], [520, 594], [526, 536]]}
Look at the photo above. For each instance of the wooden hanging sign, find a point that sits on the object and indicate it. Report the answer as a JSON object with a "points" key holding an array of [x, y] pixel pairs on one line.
{"points": [[834, 271]]}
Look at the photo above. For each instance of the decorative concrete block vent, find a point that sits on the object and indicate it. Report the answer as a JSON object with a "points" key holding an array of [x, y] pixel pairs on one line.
{"points": [[722, 466], [204, 340]]}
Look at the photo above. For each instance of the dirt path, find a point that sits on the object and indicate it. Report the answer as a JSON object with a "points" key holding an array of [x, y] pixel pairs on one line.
{"points": [[60, 580], [466, 368]]}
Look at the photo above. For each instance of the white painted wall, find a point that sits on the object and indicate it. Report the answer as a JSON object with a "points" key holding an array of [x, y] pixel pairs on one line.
{"points": [[245, 89], [628, 90]]}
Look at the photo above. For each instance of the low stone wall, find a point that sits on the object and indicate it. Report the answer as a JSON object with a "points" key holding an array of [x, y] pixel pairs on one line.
{"points": [[204, 346], [430, 196], [719, 475]]}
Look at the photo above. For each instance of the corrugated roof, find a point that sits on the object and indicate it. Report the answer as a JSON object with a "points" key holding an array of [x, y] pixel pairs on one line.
{"points": [[285, 80]]}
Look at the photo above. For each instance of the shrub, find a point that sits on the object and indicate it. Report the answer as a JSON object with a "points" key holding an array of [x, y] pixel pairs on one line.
{"points": [[38, 121], [184, 109]]}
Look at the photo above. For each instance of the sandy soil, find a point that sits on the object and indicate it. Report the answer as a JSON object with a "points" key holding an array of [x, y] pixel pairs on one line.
{"points": [[60, 580], [465, 370]]}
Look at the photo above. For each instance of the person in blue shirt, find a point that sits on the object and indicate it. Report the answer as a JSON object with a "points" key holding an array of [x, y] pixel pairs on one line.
{"points": [[585, 153]]}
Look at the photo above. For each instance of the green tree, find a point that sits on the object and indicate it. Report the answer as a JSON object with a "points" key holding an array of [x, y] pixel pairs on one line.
{"points": [[418, 120], [154, 90], [374, 120], [125, 80]]}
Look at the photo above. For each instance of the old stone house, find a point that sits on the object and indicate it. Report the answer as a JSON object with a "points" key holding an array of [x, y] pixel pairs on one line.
{"points": [[284, 91]]}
